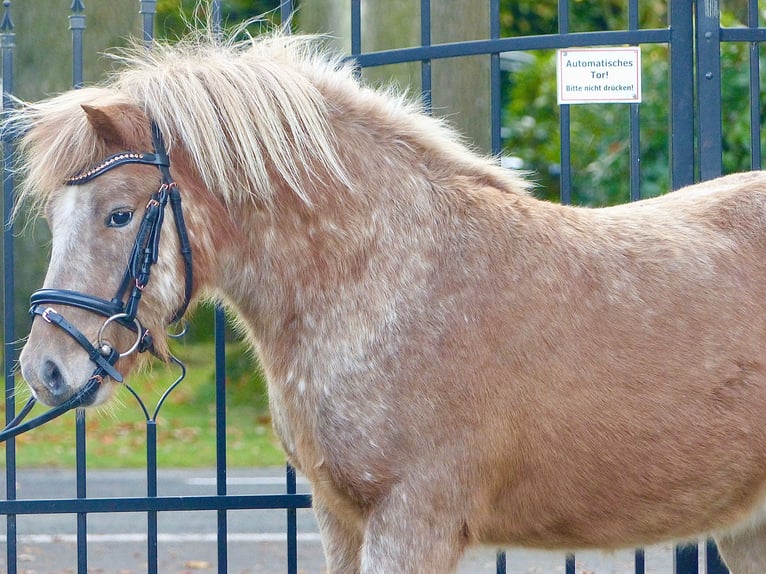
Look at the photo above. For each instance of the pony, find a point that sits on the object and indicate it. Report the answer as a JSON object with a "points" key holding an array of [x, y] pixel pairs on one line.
{"points": [[450, 361]]}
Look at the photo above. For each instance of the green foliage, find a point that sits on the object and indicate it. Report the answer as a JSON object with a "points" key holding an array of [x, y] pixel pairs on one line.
{"points": [[173, 15], [735, 61], [599, 133], [528, 17]]}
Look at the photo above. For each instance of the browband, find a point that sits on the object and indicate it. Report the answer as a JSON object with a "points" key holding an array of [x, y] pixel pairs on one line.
{"points": [[114, 160]]}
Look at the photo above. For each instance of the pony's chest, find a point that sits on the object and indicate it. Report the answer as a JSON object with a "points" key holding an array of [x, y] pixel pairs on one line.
{"points": [[333, 441], [296, 417]]}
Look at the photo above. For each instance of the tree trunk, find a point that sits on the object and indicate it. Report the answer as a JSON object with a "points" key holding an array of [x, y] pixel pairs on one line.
{"points": [[460, 86], [329, 17]]}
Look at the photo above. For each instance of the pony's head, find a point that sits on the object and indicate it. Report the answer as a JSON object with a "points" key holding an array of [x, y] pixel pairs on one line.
{"points": [[244, 126], [241, 123], [103, 185]]}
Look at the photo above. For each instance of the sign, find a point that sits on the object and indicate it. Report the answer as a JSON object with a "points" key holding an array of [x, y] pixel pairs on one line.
{"points": [[599, 75]]}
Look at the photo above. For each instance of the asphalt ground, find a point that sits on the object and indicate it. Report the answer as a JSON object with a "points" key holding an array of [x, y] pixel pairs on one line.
{"points": [[117, 542]]}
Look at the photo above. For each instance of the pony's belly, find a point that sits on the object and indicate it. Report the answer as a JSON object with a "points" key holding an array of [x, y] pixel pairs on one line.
{"points": [[623, 519], [616, 470]]}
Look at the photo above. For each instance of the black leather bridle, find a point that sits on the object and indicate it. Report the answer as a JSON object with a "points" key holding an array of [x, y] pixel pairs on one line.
{"points": [[123, 307]]}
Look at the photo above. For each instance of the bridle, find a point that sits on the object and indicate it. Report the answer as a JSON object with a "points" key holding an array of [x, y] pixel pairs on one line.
{"points": [[122, 309]]}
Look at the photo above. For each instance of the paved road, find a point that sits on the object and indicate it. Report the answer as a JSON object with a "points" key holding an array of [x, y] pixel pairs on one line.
{"points": [[187, 540]]}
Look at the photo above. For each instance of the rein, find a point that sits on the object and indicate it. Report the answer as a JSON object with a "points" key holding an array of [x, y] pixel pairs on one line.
{"points": [[123, 307]]}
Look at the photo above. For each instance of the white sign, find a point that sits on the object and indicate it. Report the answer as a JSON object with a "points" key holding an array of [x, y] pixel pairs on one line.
{"points": [[599, 75]]}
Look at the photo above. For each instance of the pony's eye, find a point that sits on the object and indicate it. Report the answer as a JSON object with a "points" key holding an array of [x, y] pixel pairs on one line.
{"points": [[119, 218]]}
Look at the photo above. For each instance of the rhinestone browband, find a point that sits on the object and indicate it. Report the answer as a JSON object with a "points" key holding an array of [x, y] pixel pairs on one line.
{"points": [[113, 161]]}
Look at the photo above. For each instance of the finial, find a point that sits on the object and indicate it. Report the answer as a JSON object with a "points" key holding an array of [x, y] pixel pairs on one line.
{"points": [[77, 6], [7, 24]]}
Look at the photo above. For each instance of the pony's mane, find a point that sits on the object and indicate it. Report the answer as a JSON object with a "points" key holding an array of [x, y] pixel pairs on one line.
{"points": [[245, 112], [231, 104]]}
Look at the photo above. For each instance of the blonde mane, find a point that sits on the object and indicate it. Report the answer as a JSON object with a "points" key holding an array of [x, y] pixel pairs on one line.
{"points": [[231, 106], [247, 113]]}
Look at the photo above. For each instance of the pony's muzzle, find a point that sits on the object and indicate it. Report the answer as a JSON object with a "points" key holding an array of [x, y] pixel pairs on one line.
{"points": [[48, 378], [56, 367], [53, 385]]}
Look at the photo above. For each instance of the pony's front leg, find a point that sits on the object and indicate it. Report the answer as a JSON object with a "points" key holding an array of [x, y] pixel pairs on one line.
{"points": [[744, 552], [341, 540], [410, 536]]}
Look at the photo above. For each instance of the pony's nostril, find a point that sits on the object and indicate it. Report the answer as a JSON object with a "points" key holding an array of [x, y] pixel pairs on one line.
{"points": [[53, 378]]}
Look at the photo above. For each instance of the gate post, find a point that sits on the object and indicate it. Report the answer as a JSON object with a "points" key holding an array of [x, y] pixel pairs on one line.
{"points": [[710, 134], [7, 48]]}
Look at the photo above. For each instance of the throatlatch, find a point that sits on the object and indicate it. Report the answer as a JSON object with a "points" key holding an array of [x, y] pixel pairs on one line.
{"points": [[123, 307]]}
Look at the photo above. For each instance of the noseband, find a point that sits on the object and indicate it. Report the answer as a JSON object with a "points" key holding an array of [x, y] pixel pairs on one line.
{"points": [[122, 309]]}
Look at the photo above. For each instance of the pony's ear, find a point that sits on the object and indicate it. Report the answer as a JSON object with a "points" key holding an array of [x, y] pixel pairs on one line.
{"points": [[121, 125]]}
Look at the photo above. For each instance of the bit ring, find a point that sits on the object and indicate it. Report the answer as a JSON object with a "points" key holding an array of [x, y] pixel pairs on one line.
{"points": [[101, 344]]}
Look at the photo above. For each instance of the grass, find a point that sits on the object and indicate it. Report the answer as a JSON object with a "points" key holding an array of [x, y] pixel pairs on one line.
{"points": [[116, 434]]}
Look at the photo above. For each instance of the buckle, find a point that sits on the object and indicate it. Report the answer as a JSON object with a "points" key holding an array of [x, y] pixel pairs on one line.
{"points": [[46, 314]]}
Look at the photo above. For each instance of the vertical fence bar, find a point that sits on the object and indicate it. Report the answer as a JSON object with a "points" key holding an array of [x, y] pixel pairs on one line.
{"points": [[290, 477], [495, 85], [565, 176], [501, 562], [147, 9], [356, 27], [710, 133], [286, 10], [82, 492], [709, 89], [220, 434], [425, 65], [151, 492], [639, 566], [639, 562], [222, 548], [292, 523], [755, 90], [635, 124], [713, 562], [682, 156], [217, 19], [219, 326], [686, 559], [77, 28], [496, 108], [7, 47]]}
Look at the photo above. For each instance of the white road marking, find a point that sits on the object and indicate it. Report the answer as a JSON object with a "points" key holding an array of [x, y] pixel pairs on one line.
{"points": [[165, 538], [244, 481]]}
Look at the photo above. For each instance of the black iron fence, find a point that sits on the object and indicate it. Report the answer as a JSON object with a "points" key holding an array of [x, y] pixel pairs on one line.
{"points": [[695, 135]]}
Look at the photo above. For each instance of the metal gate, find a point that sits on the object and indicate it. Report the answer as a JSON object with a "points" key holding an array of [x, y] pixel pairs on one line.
{"points": [[693, 34]]}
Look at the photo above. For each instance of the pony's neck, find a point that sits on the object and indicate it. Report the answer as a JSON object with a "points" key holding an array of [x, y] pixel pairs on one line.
{"points": [[339, 266]]}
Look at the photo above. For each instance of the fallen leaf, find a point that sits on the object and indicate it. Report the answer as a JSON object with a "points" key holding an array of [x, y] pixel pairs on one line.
{"points": [[198, 564]]}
